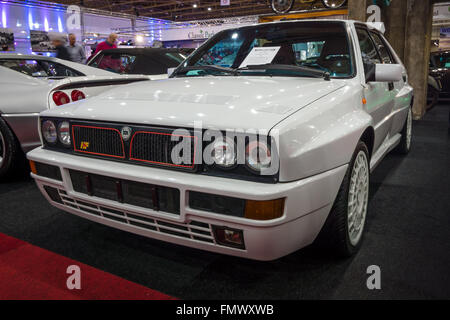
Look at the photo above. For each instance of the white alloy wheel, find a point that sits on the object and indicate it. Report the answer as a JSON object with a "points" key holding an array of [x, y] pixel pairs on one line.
{"points": [[358, 198]]}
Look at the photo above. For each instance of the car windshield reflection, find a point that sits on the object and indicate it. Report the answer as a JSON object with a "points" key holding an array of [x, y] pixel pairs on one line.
{"points": [[313, 46]]}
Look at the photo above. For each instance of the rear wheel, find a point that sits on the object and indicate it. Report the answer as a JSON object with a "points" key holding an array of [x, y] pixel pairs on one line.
{"points": [[405, 143], [10, 153], [344, 228]]}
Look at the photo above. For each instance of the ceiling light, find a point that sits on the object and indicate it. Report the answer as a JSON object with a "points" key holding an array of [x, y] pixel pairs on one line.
{"points": [[209, 9], [194, 5], [139, 38]]}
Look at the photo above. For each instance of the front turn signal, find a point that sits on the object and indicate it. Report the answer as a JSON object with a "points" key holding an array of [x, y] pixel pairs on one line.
{"points": [[264, 210], [33, 167]]}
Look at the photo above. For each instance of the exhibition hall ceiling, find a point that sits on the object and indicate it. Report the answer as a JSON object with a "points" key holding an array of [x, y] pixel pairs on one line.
{"points": [[184, 10]]}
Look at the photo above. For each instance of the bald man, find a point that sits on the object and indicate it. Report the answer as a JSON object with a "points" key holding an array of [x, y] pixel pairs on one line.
{"points": [[110, 43]]}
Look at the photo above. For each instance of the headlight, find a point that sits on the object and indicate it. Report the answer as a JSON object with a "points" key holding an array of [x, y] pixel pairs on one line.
{"points": [[49, 131], [64, 133], [258, 156], [224, 153]]}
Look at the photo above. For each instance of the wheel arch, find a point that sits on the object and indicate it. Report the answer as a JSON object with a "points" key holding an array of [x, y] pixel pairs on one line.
{"points": [[368, 137]]}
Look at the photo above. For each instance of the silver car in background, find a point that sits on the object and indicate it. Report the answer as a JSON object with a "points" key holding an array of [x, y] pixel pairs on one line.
{"points": [[30, 84]]}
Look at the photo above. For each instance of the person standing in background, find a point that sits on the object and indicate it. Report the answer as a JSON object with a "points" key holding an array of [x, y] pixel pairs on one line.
{"points": [[59, 41], [110, 43], [76, 51]]}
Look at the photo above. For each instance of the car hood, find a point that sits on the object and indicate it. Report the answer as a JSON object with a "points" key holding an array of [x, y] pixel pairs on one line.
{"points": [[216, 102]]}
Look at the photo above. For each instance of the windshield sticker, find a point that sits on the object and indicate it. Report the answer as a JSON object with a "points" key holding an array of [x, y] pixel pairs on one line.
{"points": [[260, 55]]}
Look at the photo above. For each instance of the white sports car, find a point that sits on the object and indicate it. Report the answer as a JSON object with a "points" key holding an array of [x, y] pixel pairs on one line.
{"points": [[255, 156], [30, 84]]}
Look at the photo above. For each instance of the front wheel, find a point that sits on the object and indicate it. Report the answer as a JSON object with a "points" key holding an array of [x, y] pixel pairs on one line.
{"points": [[10, 152], [344, 228]]}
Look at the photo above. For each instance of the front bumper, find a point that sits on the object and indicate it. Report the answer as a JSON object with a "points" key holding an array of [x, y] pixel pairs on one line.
{"points": [[308, 202]]}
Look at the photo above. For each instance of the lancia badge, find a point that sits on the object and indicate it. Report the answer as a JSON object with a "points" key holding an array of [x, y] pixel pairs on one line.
{"points": [[126, 133]]}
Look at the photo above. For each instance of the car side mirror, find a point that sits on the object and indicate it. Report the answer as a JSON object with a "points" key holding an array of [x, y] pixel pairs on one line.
{"points": [[377, 72]]}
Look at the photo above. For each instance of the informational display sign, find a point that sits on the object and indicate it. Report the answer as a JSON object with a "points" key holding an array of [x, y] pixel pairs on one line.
{"points": [[441, 12], [260, 55], [224, 2], [6, 40], [40, 41]]}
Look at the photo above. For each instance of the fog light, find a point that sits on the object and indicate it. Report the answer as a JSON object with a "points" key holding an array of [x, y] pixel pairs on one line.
{"points": [[229, 237], [264, 210]]}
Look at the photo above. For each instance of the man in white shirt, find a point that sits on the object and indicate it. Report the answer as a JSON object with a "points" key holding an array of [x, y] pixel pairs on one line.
{"points": [[76, 51]]}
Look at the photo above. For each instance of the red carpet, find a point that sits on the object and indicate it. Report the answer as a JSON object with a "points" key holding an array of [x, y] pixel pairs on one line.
{"points": [[31, 273]]}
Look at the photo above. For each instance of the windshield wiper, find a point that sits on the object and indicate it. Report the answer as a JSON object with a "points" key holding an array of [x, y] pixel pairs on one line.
{"points": [[313, 72], [206, 67]]}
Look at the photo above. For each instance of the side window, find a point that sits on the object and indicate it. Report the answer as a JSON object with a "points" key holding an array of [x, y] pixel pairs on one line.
{"points": [[114, 62], [382, 49], [368, 50], [54, 69], [28, 67]]}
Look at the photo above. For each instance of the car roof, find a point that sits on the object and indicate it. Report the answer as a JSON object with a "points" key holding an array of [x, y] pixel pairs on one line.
{"points": [[25, 56], [143, 51], [84, 69]]}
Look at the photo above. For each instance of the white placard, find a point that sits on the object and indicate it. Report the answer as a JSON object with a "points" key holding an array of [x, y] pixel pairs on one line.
{"points": [[260, 55], [224, 2]]}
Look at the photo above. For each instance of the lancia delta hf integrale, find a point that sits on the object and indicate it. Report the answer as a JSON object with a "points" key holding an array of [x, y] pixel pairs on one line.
{"points": [[260, 143]]}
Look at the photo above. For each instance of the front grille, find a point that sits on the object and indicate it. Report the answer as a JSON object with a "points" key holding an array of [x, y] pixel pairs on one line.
{"points": [[142, 195], [142, 145], [98, 141], [194, 230], [156, 148]]}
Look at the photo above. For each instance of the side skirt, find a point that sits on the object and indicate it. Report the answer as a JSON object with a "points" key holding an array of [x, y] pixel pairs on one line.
{"points": [[384, 149]]}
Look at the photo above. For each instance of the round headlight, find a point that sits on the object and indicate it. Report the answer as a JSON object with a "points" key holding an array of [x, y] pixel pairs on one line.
{"points": [[64, 133], [224, 153], [258, 156], [49, 131]]}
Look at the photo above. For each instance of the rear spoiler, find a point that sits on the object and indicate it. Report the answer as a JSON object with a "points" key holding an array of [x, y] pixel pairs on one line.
{"points": [[74, 84]]}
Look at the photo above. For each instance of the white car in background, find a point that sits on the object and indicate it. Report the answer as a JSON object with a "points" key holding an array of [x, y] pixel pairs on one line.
{"points": [[30, 84], [256, 156]]}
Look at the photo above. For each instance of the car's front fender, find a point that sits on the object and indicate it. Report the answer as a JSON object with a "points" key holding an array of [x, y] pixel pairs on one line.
{"points": [[321, 136]]}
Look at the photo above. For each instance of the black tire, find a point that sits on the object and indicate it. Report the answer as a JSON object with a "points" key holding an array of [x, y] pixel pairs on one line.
{"points": [[405, 143], [11, 155], [432, 97], [287, 6], [334, 236]]}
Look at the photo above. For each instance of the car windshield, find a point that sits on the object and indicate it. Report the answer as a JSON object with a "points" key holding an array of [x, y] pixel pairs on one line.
{"points": [[441, 60], [154, 63], [305, 49]]}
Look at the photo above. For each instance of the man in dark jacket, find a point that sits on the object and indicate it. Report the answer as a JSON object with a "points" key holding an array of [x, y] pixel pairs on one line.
{"points": [[59, 42]]}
